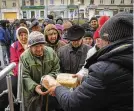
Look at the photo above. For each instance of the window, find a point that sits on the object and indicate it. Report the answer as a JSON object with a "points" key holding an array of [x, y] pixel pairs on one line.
{"points": [[42, 14], [32, 14], [82, 1], [3, 4], [121, 10], [24, 14], [31, 2], [91, 1], [62, 1], [52, 2], [71, 1], [101, 1], [41, 2], [122, 1], [23, 2], [131, 10], [14, 4], [112, 1]]}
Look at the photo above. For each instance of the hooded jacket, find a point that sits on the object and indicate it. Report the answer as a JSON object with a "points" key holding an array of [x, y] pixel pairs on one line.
{"points": [[16, 49], [109, 85]]}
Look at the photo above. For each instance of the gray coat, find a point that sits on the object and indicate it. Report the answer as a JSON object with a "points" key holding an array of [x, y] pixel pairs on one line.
{"points": [[72, 61]]}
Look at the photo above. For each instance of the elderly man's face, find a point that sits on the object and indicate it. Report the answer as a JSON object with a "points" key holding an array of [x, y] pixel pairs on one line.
{"points": [[101, 43], [37, 50], [76, 43]]}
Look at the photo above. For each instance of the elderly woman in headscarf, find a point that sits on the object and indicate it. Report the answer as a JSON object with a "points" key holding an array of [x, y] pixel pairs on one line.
{"points": [[18, 47]]}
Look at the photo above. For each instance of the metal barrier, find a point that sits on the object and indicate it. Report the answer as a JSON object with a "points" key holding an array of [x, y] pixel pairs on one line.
{"points": [[5, 73], [20, 98]]}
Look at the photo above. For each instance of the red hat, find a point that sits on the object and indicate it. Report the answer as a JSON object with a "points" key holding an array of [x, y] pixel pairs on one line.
{"points": [[103, 19], [96, 33]]}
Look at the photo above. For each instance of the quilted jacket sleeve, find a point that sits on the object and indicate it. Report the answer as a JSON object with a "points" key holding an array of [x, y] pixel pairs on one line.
{"points": [[89, 96]]}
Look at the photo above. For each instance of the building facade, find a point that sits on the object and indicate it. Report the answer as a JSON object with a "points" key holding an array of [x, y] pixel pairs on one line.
{"points": [[16, 9], [10, 9]]}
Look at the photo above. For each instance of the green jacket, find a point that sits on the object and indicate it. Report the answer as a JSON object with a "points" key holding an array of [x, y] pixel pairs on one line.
{"points": [[34, 69]]}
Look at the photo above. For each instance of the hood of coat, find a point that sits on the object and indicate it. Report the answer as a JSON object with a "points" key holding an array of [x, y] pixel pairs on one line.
{"points": [[119, 52]]}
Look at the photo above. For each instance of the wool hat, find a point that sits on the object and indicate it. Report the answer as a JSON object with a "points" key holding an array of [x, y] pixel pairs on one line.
{"points": [[93, 18], [34, 23], [103, 19], [88, 34], [118, 27], [75, 32], [36, 37]]}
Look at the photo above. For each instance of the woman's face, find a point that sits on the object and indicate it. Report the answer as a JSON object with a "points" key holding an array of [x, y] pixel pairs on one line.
{"points": [[23, 37], [52, 36], [88, 40]]}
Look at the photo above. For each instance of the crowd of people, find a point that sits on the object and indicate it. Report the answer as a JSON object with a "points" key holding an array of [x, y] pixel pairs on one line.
{"points": [[99, 53]]}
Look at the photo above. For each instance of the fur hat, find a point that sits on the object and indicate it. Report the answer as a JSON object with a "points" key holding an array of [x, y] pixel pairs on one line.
{"points": [[49, 27], [75, 32], [36, 37], [118, 27]]}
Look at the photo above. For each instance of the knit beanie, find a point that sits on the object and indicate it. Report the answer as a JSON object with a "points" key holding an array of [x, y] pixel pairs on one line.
{"points": [[34, 23], [59, 18], [93, 18], [88, 34], [102, 20], [118, 27], [36, 37]]}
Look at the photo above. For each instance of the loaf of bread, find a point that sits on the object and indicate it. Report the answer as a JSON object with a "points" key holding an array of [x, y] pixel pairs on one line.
{"points": [[48, 81], [67, 80]]}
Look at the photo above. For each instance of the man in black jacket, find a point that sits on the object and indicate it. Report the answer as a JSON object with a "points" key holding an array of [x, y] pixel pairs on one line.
{"points": [[109, 84]]}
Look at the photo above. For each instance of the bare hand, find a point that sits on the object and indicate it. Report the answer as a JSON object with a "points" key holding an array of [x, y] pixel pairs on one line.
{"points": [[51, 91], [79, 77], [39, 91]]}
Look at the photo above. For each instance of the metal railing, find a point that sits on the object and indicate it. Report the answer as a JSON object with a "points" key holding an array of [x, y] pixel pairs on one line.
{"points": [[5, 73]]}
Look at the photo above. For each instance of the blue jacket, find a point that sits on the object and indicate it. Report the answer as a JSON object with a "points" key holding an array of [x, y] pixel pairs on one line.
{"points": [[5, 36]]}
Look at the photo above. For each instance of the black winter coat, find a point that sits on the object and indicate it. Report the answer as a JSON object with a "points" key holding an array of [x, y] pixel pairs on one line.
{"points": [[109, 85]]}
